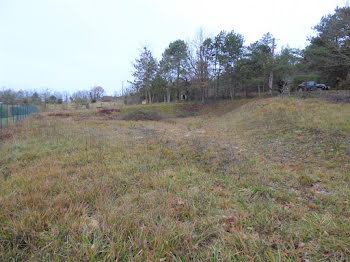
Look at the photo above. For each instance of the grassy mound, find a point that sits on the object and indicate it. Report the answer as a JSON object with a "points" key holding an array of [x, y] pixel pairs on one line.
{"points": [[249, 180]]}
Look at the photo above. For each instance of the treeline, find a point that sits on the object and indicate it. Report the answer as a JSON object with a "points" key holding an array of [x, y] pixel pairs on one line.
{"points": [[83, 97], [223, 67]]}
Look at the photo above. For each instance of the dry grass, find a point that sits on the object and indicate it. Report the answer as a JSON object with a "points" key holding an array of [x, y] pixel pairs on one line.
{"points": [[250, 180], [73, 106]]}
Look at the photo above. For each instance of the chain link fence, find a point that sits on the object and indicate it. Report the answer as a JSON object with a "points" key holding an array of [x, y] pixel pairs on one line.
{"points": [[10, 113]]}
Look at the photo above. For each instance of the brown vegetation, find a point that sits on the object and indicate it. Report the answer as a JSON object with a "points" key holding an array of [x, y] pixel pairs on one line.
{"points": [[250, 180], [108, 111], [60, 114], [142, 116]]}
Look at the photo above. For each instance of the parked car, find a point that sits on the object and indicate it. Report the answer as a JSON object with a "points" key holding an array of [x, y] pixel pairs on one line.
{"points": [[323, 87], [312, 86]]}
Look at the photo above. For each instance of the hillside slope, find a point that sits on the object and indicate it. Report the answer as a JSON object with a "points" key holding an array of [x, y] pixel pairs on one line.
{"points": [[260, 180]]}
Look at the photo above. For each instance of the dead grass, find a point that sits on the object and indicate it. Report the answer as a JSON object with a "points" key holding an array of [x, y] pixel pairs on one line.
{"points": [[250, 180], [142, 116], [108, 111], [6, 133], [59, 114], [73, 106]]}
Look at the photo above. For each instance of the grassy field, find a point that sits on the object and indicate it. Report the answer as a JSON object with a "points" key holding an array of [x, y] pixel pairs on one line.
{"points": [[249, 180]]}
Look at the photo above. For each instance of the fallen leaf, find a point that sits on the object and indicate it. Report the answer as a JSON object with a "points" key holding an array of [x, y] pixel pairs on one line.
{"points": [[232, 219], [233, 230], [180, 203], [94, 223], [300, 245]]}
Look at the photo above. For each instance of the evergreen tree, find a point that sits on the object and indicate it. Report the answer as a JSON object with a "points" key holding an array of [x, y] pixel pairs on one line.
{"points": [[145, 72], [175, 67], [328, 55]]}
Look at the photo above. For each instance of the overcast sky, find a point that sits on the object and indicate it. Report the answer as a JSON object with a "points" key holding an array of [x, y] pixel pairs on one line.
{"points": [[70, 45]]}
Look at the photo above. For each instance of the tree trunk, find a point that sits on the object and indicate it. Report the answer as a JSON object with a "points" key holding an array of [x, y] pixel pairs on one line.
{"points": [[203, 94], [284, 90], [150, 97], [232, 88], [168, 94], [271, 72], [217, 86], [177, 94], [146, 95], [270, 82]]}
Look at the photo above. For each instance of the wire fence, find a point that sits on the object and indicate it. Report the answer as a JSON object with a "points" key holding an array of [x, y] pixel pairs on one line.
{"points": [[10, 113]]}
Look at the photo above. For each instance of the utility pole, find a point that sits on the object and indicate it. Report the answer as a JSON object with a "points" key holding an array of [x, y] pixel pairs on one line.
{"points": [[271, 72], [122, 88]]}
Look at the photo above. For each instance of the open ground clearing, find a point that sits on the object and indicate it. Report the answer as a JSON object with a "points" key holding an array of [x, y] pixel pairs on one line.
{"points": [[249, 180]]}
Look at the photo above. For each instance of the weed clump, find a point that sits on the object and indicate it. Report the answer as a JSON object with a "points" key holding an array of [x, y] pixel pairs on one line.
{"points": [[306, 180]]}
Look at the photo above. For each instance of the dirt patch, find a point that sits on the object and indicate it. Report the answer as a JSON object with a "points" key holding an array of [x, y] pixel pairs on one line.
{"points": [[142, 116], [59, 114], [108, 111]]}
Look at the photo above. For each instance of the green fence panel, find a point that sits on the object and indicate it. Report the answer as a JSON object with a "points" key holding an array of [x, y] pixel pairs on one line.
{"points": [[10, 113]]}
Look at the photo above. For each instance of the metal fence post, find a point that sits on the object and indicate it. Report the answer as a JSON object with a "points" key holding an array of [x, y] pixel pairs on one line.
{"points": [[7, 114]]}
